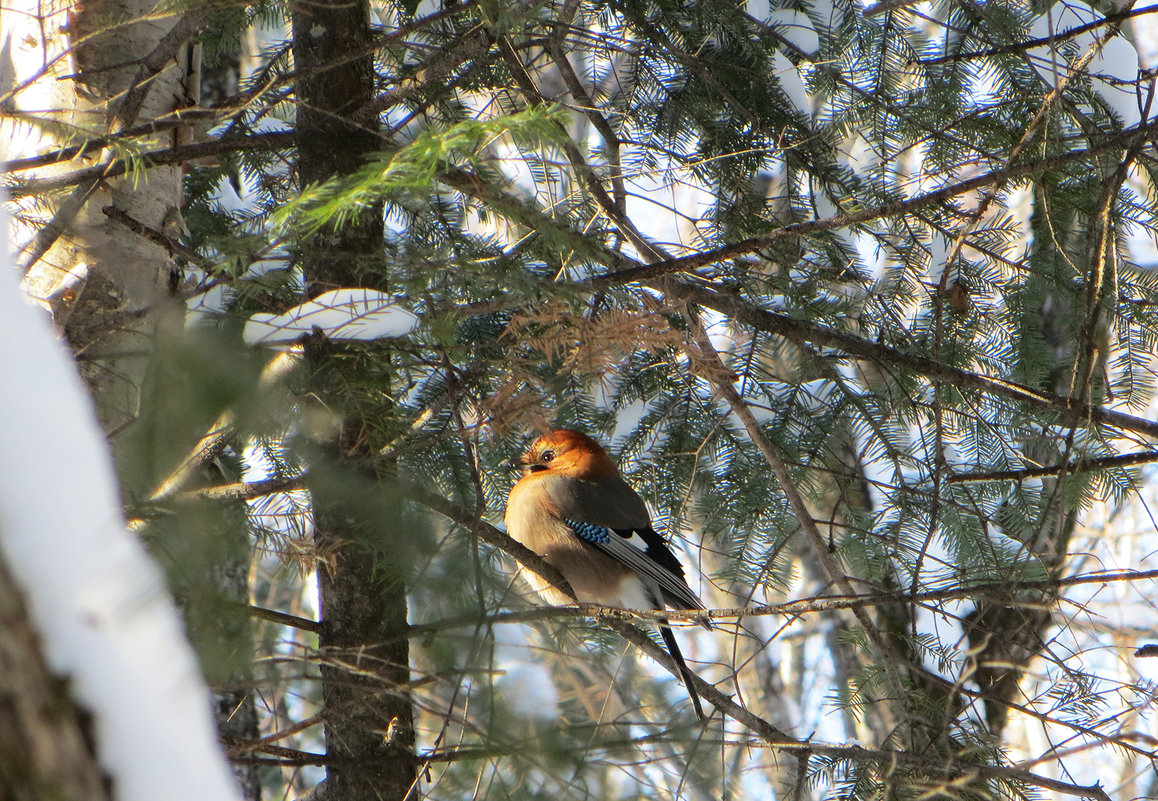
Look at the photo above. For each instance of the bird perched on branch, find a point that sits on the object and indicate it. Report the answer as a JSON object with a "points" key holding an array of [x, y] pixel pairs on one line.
{"points": [[574, 509]]}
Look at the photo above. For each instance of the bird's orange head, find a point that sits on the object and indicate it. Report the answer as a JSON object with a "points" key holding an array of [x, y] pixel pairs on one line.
{"points": [[571, 453]]}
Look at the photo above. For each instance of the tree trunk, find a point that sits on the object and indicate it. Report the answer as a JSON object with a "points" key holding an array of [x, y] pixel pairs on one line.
{"points": [[112, 291], [369, 718], [45, 746]]}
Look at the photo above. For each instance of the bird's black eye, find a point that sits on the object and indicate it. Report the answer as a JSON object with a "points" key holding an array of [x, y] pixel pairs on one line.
{"points": [[547, 456]]}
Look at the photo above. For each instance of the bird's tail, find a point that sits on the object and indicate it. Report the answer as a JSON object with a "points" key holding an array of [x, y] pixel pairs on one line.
{"points": [[673, 648]]}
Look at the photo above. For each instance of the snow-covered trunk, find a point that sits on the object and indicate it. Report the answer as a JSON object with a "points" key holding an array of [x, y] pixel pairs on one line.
{"points": [[94, 666]]}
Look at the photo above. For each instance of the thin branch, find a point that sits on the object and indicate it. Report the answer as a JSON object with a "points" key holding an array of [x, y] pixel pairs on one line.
{"points": [[888, 5], [245, 490], [771, 735], [583, 246], [486, 532], [559, 54], [1076, 466], [1008, 591], [605, 202], [715, 372], [278, 140], [891, 208], [747, 313], [162, 124], [174, 247], [709, 692], [283, 619], [237, 747], [1029, 44], [219, 434], [955, 772], [394, 36]]}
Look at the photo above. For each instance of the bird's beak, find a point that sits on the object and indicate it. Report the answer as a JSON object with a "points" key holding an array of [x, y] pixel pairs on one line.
{"points": [[514, 464]]}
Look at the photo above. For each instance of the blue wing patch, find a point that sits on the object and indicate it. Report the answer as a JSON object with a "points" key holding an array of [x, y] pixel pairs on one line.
{"points": [[644, 540], [644, 551], [596, 535]]}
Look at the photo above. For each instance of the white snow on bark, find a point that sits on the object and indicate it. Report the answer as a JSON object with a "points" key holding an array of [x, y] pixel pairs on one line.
{"points": [[99, 602]]}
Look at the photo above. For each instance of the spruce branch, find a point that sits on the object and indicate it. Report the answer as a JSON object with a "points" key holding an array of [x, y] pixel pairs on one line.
{"points": [[1080, 465], [1054, 39], [893, 208], [747, 313], [278, 140]]}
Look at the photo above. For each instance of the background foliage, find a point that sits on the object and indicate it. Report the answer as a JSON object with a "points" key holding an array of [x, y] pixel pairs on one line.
{"points": [[863, 301]]}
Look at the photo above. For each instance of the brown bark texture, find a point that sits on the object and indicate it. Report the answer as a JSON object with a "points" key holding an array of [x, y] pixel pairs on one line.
{"points": [[369, 726], [46, 750]]}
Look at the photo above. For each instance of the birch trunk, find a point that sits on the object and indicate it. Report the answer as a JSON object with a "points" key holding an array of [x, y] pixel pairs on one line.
{"points": [[82, 71], [94, 253]]}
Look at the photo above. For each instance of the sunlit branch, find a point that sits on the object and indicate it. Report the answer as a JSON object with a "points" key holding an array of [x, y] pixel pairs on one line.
{"points": [[743, 311], [284, 619], [894, 208], [1029, 44], [279, 140], [1075, 466]]}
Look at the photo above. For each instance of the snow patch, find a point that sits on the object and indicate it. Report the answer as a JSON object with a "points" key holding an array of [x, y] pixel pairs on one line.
{"points": [[342, 314]]}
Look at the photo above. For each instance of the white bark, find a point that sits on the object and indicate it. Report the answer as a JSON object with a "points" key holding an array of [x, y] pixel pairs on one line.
{"points": [[67, 71]]}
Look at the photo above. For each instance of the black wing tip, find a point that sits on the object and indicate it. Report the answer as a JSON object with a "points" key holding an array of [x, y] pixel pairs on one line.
{"points": [[657, 548], [686, 674]]}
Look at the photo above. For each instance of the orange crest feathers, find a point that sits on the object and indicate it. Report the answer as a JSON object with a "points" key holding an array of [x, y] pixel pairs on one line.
{"points": [[572, 452]]}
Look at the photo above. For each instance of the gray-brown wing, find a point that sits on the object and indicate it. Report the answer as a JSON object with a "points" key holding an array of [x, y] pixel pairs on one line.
{"points": [[611, 516], [645, 552], [611, 503]]}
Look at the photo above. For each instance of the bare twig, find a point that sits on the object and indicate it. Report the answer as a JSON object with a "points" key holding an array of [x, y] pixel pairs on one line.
{"points": [[284, 619], [170, 244], [215, 440]]}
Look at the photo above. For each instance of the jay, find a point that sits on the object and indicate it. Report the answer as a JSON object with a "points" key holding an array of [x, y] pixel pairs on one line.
{"points": [[574, 509]]}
